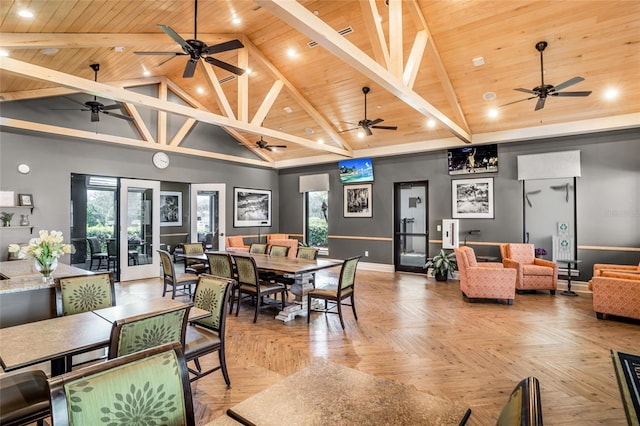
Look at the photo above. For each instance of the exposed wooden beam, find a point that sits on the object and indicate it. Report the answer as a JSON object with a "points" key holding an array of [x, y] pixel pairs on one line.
{"points": [[300, 18], [88, 40], [376, 34], [415, 59], [221, 97], [243, 86], [396, 61], [182, 132], [267, 102], [122, 95], [293, 91], [162, 115], [93, 137], [138, 122]]}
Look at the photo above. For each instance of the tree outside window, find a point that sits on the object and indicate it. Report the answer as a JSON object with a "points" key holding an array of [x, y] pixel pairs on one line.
{"points": [[317, 219]]}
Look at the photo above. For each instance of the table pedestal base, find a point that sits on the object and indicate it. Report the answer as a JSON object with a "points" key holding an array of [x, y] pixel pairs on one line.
{"points": [[569, 293], [299, 306]]}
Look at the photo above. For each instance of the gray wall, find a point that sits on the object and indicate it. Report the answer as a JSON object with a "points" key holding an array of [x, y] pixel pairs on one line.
{"points": [[608, 199]]}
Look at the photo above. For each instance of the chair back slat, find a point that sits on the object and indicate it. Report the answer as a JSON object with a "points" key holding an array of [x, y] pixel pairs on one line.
{"points": [[220, 265], [142, 332], [83, 293]]}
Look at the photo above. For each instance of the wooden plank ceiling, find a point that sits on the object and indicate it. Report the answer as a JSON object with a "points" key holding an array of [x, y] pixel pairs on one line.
{"points": [[415, 55]]}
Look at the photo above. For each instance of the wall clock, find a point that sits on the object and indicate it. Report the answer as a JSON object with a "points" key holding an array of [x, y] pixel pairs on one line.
{"points": [[161, 160]]}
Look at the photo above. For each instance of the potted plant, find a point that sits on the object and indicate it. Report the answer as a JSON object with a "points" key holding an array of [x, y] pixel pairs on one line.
{"points": [[540, 253], [6, 218], [441, 265]]}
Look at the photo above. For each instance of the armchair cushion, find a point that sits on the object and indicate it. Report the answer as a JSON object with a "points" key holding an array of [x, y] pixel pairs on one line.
{"points": [[617, 294]]}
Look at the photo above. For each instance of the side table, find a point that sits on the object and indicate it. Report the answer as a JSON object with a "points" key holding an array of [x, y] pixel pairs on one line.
{"points": [[570, 264]]}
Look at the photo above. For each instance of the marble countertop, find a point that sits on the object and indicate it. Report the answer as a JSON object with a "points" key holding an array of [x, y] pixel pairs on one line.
{"points": [[23, 276]]}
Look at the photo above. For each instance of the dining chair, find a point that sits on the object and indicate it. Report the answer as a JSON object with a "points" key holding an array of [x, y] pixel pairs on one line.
{"points": [[96, 253], [336, 294], [250, 284], [171, 279], [24, 398], [523, 408], [207, 335], [84, 293], [309, 253], [112, 252], [278, 251], [258, 248], [150, 387], [140, 332], [221, 265], [194, 266]]}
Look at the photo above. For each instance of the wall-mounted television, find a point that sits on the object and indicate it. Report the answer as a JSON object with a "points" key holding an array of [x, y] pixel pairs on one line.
{"points": [[473, 159], [356, 170]]}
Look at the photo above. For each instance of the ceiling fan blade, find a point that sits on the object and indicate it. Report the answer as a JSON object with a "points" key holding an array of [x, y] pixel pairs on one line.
{"points": [[224, 65], [269, 148], [520, 100], [349, 130], [567, 83], [223, 47], [114, 114], [367, 130], [540, 104], [174, 54], [531, 92], [376, 121], [190, 68], [114, 106], [385, 127], [585, 93], [277, 146], [174, 35], [95, 116]]}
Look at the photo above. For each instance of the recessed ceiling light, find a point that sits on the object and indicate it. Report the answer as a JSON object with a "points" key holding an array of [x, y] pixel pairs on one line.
{"points": [[488, 96], [236, 21], [25, 13], [493, 113], [361, 134], [321, 141], [288, 110], [200, 90], [118, 49], [308, 130], [431, 123], [292, 53], [4, 53], [146, 73], [248, 71], [611, 94], [316, 12], [49, 51]]}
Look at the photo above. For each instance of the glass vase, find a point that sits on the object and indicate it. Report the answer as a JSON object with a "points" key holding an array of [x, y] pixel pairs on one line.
{"points": [[46, 268]]}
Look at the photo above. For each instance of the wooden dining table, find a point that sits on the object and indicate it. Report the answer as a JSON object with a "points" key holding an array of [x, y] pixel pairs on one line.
{"points": [[54, 339], [301, 270]]}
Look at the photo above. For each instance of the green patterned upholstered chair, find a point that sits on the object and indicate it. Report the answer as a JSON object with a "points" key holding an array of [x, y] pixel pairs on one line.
{"points": [[220, 265], [137, 333], [147, 387], [336, 294], [309, 253], [278, 251], [83, 293], [173, 280], [24, 398], [251, 285], [523, 406], [194, 266], [207, 335], [258, 248]]}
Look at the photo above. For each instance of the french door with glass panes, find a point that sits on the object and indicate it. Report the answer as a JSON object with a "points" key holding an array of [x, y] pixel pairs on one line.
{"points": [[139, 229], [208, 215]]}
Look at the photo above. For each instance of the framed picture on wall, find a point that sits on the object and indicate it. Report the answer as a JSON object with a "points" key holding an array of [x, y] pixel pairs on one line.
{"points": [[170, 208], [472, 198], [25, 200], [251, 207], [357, 201]]}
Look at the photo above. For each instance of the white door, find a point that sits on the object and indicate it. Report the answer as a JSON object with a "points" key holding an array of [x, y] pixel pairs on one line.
{"points": [[208, 215], [139, 229]]}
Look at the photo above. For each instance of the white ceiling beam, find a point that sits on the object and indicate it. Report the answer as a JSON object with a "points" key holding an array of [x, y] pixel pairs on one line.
{"points": [[376, 34], [396, 63], [182, 132], [162, 115], [221, 97], [415, 58], [98, 137], [298, 17], [267, 102], [295, 93], [138, 122], [243, 86], [122, 95]]}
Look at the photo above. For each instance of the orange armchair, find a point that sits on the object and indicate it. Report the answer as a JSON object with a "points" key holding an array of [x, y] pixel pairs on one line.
{"points": [[616, 293], [487, 280], [271, 237], [598, 268], [236, 243], [531, 273]]}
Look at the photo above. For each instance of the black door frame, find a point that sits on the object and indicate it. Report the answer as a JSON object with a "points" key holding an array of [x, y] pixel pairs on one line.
{"points": [[397, 232]]}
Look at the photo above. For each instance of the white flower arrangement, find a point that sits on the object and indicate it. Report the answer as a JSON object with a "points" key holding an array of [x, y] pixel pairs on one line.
{"points": [[45, 249]]}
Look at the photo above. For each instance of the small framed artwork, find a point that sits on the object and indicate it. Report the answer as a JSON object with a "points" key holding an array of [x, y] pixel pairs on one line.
{"points": [[472, 198], [251, 207], [357, 201], [25, 200], [170, 208]]}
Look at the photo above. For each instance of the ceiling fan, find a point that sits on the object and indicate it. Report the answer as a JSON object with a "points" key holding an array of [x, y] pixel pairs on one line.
{"points": [[544, 90], [265, 145], [197, 49], [366, 124], [96, 107]]}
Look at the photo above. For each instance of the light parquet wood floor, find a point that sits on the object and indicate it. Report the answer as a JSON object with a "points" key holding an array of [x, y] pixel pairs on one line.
{"points": [[420, 332]]}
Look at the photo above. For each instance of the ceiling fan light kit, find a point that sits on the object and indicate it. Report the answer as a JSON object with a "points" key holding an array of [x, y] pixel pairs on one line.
{"points": [[545, 90]]}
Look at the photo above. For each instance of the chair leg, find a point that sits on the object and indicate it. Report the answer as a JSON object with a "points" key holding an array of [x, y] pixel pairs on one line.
{"points": [[353, 307], [258, 304], [308, 308], [223, 366], [339, 302]]}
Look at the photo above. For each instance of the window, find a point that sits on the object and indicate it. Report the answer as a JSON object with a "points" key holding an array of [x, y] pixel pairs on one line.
{"points": [[317, 219]]}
